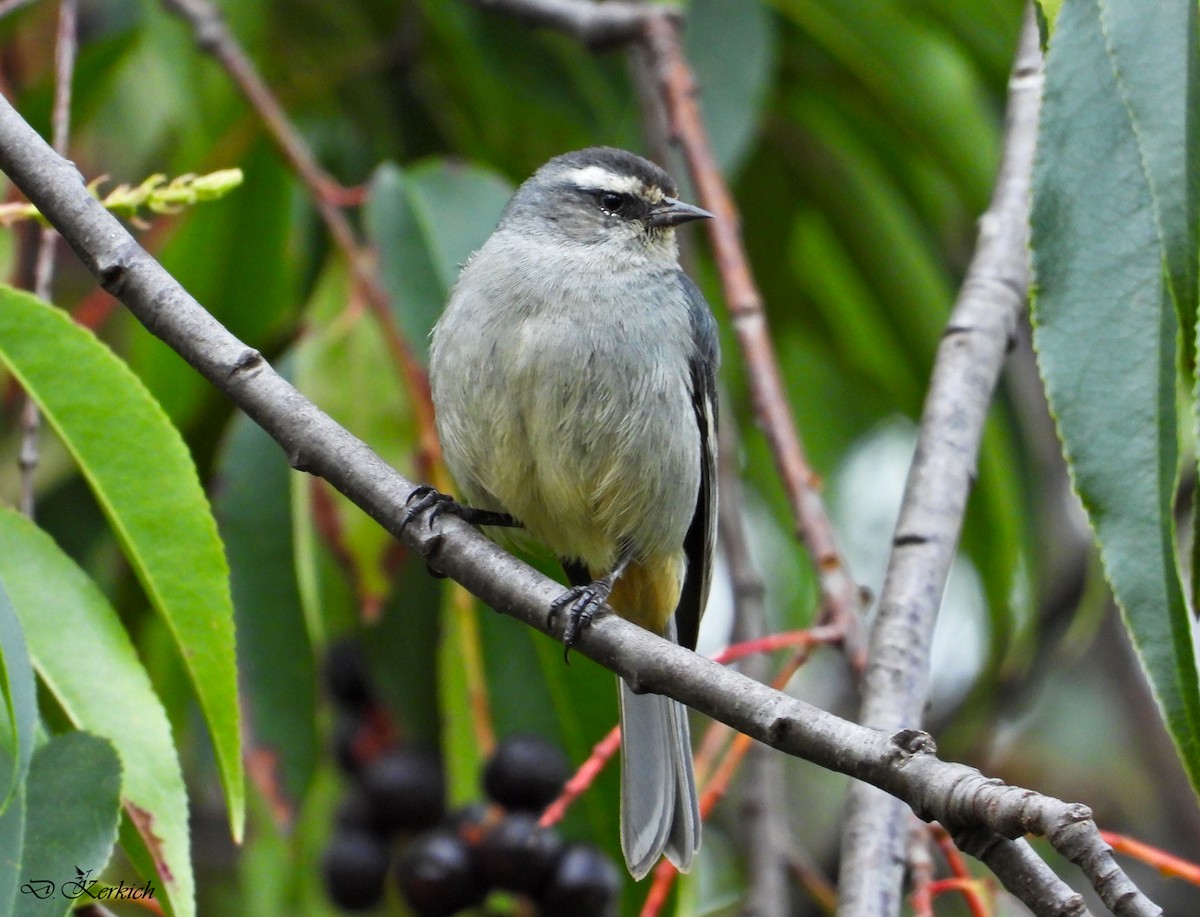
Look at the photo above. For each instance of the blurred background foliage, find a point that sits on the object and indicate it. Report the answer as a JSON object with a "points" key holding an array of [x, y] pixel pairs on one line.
{"points": [[861, 140]]}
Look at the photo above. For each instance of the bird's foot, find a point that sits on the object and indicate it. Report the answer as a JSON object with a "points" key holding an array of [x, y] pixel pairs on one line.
{"points": [[427, 501], [430, 502], [579, 605]]}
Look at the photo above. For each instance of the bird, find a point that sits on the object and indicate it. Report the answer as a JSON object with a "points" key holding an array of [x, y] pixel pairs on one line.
{"points": [[573, 377]]}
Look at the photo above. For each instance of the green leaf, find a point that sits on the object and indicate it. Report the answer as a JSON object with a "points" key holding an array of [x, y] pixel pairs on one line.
{"points": [[253, 507], [916, 79], [1114, 212], [86, 661], [731, 47], [18, 719], [144, 479], [73, 802], [343, 364], [425, 222], [12, 842]]}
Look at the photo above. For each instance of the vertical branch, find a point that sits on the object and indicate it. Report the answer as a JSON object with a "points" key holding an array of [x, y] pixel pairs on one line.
{"points": [[969, 359], [840, 593], [60, 127], [763, 810]]}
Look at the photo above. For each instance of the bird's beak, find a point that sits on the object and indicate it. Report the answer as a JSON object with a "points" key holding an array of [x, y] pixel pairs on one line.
{"points": [[672, 212]]}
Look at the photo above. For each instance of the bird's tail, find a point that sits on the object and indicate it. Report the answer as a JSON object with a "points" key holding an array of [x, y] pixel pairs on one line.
{"points": [[660, 812]]}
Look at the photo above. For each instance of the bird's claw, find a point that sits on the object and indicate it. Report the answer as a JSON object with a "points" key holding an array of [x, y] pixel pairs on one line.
{"points": [[579, 604], [428, 501]]}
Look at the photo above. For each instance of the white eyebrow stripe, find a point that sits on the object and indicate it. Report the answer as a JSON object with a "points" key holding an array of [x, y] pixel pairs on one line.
{"points": [[602, 179]]}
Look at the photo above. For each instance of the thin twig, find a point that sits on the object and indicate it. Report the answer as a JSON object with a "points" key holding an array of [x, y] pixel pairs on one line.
{"points": [[213, 36], [969, 359], [65, 46], [841, 595]]}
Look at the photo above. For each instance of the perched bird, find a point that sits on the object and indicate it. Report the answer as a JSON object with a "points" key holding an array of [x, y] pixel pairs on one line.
{"points": [[573, 378]]}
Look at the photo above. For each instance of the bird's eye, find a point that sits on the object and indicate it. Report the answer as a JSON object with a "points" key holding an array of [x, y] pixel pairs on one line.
{"points": [[612, 201]]}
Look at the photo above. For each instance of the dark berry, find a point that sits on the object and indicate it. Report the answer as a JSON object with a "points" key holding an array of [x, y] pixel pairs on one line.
{"points": [[517, 855], [525, 772], [406, 790], [346, 677], [436, 876], [586, 884], [355, 868]]}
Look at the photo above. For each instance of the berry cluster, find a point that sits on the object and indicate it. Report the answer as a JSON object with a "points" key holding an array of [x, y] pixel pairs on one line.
{"points": [[449, 862]]}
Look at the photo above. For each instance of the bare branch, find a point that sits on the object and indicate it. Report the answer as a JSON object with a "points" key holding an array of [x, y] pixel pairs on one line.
{"points": [[597, 25], [840, 594], [969, 359], [65, 47], [763, 806], [904, 764], [213, 36]]}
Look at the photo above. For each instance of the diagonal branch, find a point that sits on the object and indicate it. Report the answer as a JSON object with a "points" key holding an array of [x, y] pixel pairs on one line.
{"points": [[969, 359], [212, 35], [904, 764], [840, 594]]}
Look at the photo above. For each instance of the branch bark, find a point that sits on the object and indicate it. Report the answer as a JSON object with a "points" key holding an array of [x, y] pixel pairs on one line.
{"points": [[977, 338], [763, 809], [904, 764]]}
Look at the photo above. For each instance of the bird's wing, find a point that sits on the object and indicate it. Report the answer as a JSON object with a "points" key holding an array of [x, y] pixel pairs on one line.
{"points": [[700, 542]]}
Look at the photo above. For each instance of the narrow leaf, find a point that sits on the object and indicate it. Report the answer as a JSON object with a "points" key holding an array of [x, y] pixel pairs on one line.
{"points": [[1114, 250], [253, 506], [86, 661], [144, 479]]}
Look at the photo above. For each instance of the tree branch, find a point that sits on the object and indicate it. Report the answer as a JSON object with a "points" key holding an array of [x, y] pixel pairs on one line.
{"points": [[65, 47], [840, 595], [596, 25], [969, 359], [212, 35], [763, 808], [904, 764]]}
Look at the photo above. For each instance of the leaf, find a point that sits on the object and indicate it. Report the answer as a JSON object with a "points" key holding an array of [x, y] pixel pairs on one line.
{"points": [[18, 719], [144, 479], [253, 507], [72, 802], [12, 841], [344, 365], [1114, 215], [86, 661], [731, 47], [914, 78], [425, 222]]}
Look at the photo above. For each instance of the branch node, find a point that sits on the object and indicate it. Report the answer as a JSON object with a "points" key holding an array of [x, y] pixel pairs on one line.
{"points": [[914, 742], [247, 361], [111, 267], [299, 460]]}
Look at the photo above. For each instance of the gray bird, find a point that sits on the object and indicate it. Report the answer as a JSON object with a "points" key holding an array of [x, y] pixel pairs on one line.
{"points": [[573, 377]]}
